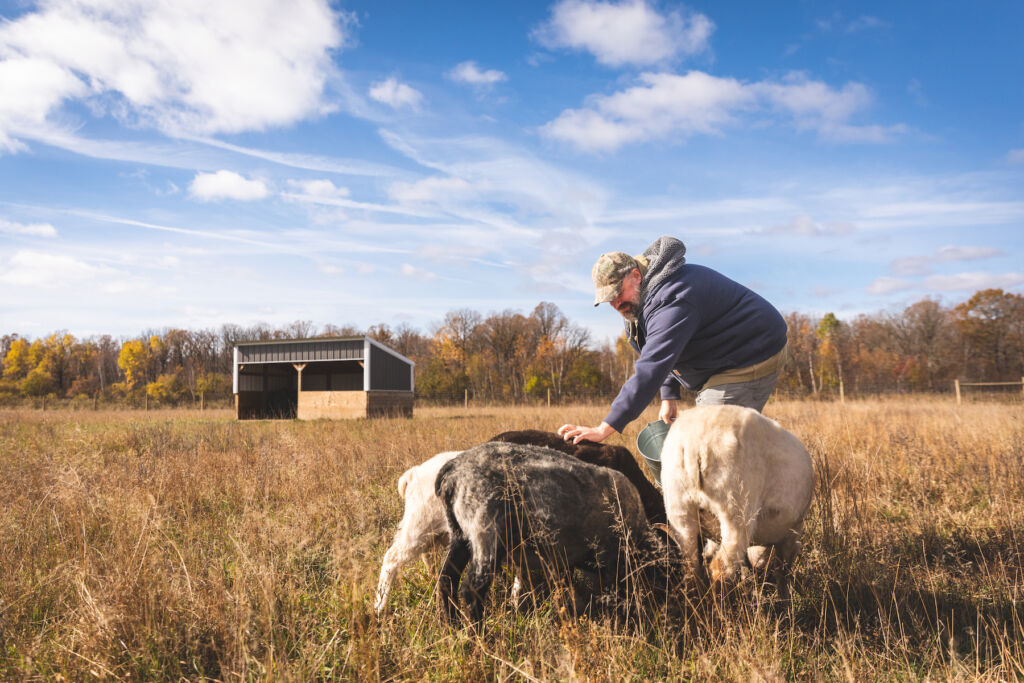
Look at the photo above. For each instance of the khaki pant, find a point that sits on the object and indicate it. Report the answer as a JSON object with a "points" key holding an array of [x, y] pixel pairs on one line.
{"points": [[749, 387]]}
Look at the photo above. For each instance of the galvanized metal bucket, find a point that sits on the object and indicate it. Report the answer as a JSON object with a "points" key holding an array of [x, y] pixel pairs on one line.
{"points": [[649, 442]]}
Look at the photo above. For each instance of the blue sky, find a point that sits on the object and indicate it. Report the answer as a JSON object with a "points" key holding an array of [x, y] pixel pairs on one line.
{"points": [[193, 163]]}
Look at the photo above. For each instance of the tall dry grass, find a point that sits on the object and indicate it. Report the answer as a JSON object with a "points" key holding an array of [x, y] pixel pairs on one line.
{"points": [[187, 545]]}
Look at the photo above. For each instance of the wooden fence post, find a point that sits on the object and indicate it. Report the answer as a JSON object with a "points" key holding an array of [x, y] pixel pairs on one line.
{"points": [[956, 385], [842, 393], [466, 400], [549, 397]]}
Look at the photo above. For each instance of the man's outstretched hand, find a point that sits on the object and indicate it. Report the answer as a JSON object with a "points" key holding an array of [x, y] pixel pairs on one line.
{"points": [[577, 433]]}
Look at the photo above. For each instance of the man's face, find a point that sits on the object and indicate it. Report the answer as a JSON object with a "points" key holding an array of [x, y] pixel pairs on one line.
{"points": [[628, 300]]}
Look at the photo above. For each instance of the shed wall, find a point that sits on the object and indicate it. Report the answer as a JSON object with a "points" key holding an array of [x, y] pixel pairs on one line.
{"points": [[317, 405], [388, 373]]}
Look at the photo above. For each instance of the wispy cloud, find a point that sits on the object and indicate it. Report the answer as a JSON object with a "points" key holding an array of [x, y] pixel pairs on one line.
{"points": [[866, 22], [806, 226], [921, 265], [368, 207], [888, 285], [971, 282], [29, 268], [916, 91], [416, 273], [208, 187], [319, 188], [303, 244], [309, 162], [28, 229], [839, 22], [429, 189], [937, 212], [631, 32], [669, 212]]}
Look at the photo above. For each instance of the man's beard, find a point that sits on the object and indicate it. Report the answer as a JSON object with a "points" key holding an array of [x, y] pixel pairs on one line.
{"points": [[628, 311]]}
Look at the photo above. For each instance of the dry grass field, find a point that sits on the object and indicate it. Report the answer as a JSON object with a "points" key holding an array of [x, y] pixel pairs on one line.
{"points": [[170, 545]]}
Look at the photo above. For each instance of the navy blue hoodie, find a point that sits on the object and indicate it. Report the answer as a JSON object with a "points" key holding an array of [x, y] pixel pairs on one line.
{"points": [[694, 324]]}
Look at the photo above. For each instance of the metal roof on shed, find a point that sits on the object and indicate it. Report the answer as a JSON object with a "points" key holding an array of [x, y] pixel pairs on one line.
{"points": [[310, 350]]}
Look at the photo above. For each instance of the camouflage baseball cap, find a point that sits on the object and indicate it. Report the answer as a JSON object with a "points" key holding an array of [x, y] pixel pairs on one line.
{"points": [[609, 272]]}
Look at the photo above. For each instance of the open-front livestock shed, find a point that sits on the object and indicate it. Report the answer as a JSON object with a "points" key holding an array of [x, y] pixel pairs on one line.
{"points": [[321, 378]]}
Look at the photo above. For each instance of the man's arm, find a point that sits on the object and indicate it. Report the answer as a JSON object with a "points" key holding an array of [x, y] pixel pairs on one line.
{"points": [[669, 330], [579, 433]]}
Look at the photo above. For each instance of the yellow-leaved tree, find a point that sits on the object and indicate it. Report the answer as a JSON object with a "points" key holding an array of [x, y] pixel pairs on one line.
{"points": [[134, 361], [17, 362]]}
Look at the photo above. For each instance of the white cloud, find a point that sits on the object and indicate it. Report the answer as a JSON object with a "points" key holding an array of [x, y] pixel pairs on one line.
{"points": [[806, 99], [887, 285], [1015, 156], [226, 185], [956, 253], [866, 22], [862, 23], [625, 33], [31, 89], [318, 188], [30, 229], [817, 291], [428, 189], [847, 134], [920, 265], [972, 282], [665, 104], [662, 104], [411, 271], [805, 226], [470, 73], [29, 268], [916, 91], [396, 95], [911, 265], [185, 67]]}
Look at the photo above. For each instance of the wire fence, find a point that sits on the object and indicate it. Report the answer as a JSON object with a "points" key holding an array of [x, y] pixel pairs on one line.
{"points": [[959, 390]]}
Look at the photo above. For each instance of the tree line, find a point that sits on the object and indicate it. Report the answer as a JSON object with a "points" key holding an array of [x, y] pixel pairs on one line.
{"points": [[510, 357]]}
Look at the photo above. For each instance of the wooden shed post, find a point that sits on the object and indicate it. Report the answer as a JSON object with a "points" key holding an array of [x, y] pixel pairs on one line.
{"points": [[299, 367]]}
